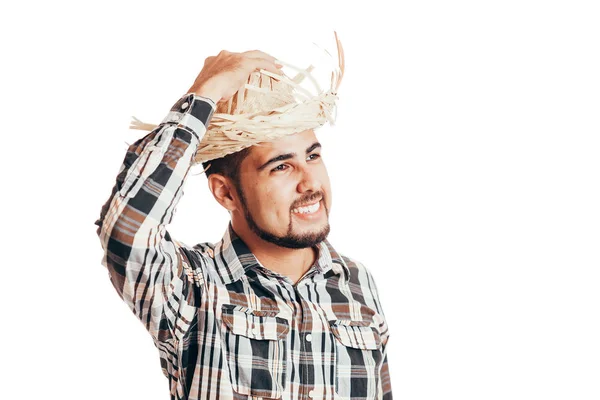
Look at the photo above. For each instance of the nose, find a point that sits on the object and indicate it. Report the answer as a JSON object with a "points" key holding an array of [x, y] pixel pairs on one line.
{"points": [[309, 181]]}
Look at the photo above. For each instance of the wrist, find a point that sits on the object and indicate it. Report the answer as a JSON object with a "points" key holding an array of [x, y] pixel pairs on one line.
{"points": [[206, 92]]}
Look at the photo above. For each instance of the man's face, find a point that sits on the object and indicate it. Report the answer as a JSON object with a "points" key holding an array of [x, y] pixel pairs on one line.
{"points": [[285, 191]]}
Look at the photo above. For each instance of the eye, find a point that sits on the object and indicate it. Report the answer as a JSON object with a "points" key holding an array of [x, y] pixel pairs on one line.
{"points": [[280, 167], [313, 156]]}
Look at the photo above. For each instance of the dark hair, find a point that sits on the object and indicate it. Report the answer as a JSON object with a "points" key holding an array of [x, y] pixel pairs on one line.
{"points": [[228, 166]]}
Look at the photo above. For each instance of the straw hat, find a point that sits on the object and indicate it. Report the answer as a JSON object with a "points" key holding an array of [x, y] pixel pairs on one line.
{"points": [[268, 107]]}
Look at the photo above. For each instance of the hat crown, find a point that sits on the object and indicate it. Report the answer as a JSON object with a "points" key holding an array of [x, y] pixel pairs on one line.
{"points": [[274, 94]]}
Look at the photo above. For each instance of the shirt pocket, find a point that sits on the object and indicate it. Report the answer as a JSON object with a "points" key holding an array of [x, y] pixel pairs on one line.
{"points": [[358, 358], [255, 350]]}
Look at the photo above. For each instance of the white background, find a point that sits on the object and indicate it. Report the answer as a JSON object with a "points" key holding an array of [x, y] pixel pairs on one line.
{"points": [[464, 164]]}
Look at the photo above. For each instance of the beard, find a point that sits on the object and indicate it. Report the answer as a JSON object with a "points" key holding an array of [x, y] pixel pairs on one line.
{"points": [[290, 240]]}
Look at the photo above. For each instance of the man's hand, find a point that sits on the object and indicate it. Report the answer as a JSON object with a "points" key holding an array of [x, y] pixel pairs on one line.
{"points": [[223, 75]]}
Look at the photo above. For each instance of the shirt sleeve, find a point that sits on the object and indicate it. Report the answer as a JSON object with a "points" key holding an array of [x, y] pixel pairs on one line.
{"points": [[386, 384], [384, 375], [146, 266]]}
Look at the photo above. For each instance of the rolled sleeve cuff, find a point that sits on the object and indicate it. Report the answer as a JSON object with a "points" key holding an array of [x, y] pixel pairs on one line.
{"points": [[192, 112]]}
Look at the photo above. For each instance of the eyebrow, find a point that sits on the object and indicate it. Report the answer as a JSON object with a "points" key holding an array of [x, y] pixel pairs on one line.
{"points": [[287, 156]]}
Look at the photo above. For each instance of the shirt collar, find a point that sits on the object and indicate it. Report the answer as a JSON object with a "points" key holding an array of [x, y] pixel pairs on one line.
{"points": [[233, 258]]}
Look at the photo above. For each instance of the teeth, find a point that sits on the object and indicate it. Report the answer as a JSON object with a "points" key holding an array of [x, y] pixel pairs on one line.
{"points": [[308, 209]]}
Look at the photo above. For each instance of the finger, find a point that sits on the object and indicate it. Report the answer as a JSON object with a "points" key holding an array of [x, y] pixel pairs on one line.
{"points": [[260, 54], [270, 59], [260, 63]]}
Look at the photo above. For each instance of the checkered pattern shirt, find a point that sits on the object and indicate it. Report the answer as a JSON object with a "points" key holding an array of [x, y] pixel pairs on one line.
{"points": [[225, 326]]}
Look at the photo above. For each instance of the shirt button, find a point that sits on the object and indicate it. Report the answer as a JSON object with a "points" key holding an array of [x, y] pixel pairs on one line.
{"points": [[308, 337], [184, 105], [311, 393], [176, 117]]}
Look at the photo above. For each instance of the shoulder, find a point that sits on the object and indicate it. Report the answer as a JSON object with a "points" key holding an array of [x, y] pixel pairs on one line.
{"points": [[358, 273], [360, 279], [196, 260]]}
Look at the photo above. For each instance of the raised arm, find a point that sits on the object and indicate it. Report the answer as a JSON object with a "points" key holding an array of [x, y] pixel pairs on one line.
{"points": [[143, 261], [145, 264]]}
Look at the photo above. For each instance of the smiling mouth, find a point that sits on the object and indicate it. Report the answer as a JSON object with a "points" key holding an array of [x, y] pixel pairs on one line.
{"points": [[308, 209]]}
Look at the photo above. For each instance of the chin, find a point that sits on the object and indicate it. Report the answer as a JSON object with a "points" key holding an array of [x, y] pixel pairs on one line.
{"points": [[312, 236], [303, 232], [295, 239], [317, 230]]}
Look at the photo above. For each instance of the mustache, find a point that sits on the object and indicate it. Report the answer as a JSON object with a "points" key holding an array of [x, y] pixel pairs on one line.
{"points": [[309, 198]]}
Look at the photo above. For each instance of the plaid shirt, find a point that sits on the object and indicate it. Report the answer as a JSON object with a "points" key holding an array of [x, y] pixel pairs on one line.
{"points": [[225, 326]]}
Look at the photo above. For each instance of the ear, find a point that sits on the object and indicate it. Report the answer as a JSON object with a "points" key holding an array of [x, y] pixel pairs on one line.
{"points": [[223, 191]]}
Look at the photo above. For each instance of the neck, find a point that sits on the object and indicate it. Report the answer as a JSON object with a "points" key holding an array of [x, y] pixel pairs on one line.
{"points": [[292, 263]]}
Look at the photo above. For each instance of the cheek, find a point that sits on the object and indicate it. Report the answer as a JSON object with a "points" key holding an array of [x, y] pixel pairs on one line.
{"points": [[277, 202], [325, 183], [265, 203], [327, 190]]}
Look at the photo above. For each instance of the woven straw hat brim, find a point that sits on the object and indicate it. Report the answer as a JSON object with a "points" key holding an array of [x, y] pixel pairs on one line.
{"points": [[229, 133]]}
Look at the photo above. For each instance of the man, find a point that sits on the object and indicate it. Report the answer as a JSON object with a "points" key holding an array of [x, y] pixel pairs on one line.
{"points": [[270, 311]]}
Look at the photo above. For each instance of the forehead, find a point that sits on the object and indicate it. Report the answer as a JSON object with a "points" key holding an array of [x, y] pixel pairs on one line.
{"points": [[295, 143]]}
